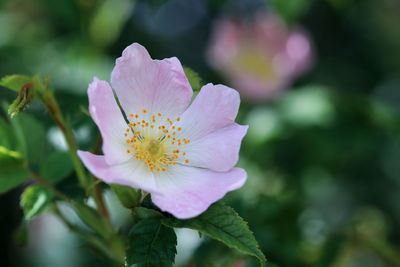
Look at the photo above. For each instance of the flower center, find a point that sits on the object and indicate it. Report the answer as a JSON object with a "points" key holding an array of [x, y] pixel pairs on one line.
{"points": [[155, 143]]}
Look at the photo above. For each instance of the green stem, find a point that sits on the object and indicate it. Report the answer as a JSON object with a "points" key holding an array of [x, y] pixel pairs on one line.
{"points": [[97, 195], [54, 109], [45, 183], [90, 238]]}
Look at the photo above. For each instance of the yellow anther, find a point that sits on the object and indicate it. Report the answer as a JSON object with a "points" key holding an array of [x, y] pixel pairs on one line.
{"points": [[159, 114], [127, 129], [131, 115], [128, 151], [186, 161], [144, 110], [179, 128], [126, 134], [163, 169], [152, 126], [136, 116], [178, 119], [184, 153]]}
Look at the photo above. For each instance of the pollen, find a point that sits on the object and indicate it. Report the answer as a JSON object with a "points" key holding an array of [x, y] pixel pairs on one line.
{"points": [[155, 141]]}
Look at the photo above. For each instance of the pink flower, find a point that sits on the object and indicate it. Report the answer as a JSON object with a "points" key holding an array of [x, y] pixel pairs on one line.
{"points": [[259, 57], [183, 155]]}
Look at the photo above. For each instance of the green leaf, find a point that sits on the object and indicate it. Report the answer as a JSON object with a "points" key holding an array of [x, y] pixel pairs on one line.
{"points": [[56, 166], [151, 244], [7, 138], [128, 196], [194, 78], [15, 81], [34, 199], [31, 137], [141, 213], [12, 169], [222, 223]]}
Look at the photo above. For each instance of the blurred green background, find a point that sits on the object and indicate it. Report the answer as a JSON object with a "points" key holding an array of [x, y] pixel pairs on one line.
{"points": [[323, 158]]}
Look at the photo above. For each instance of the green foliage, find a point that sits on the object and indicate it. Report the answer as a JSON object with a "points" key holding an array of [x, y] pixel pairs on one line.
{"points": [[221, 222], [291, 9], [56, 167], [194, 79], [31, 137], [151, 244], [34, 199], [25, 96], [142, 213], [14, 82], [21, 236], [12, 169], [7, 138], [93, 219], [128, 196]]}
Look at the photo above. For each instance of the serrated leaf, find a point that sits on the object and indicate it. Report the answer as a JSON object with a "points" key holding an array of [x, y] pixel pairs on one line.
{"points": [[12, 169], [34, 199], [222, 223], [14, 82], [151, 244], [128, 196], [56, 166], [194, 78]]}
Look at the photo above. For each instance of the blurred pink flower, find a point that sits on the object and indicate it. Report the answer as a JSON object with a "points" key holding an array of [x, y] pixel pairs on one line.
{"points": [[259, 57], [183, 155]]}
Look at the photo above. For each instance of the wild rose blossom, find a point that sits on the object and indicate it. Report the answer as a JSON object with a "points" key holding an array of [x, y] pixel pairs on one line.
{"points": [[183, 155], [259, 57]]}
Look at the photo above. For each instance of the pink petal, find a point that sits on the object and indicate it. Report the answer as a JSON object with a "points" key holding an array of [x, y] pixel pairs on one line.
{"points": [[215, 107], [132, 173], [188, 191], [218, 151], [154, 85], [106, 114]]}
